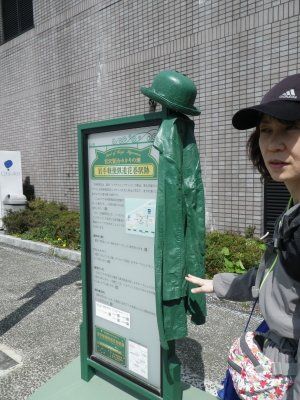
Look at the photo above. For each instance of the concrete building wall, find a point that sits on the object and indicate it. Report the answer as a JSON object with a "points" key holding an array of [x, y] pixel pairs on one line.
{"points": [[86, 60]]}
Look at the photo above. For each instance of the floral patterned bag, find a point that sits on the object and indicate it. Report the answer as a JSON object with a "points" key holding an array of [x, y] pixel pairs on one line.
{"points": [[254, 376]]}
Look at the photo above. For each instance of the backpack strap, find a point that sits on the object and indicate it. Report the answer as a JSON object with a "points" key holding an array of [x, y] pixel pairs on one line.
{"points": [[260, 275], [285, 369], [258, 279], [286, 345], [273, 246], [278, 368], [247, 351]]}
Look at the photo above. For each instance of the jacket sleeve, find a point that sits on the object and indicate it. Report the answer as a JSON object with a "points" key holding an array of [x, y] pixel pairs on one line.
{"points": [[289, 253], [169, 243], [195, 221], [235, 287], [289, 243]]}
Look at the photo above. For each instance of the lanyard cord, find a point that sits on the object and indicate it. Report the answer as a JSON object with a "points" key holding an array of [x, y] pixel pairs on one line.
{"points": [[269, 271], [290, 203]]}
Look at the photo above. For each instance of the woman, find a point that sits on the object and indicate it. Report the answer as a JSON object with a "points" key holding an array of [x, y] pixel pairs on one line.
{"points": [[274, 148]]}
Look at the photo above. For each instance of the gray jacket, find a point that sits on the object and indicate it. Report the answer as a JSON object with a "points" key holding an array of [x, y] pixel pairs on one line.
{"points": [[279, 295]]}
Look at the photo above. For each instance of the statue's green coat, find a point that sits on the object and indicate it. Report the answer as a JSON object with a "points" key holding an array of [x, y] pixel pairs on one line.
{"points": [[180, 228]]}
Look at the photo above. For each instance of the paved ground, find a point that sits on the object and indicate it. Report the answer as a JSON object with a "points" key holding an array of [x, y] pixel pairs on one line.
{"points": [[39, 317], [40, 313]]}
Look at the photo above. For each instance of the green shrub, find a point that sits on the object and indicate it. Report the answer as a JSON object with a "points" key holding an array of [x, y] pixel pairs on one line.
{"points": [[45, 212], [18, 222], [67, 228], [249, 231], [229, 252], [48, 222]]}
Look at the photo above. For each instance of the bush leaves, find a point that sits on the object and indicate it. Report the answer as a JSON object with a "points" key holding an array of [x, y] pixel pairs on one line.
{"points": [[48, 222]]}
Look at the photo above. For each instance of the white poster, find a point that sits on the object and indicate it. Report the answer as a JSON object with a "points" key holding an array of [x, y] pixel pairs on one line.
{"points": [[138, 359], [122, 197]]}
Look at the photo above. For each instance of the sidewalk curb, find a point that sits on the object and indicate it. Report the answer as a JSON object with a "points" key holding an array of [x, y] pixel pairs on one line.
{"points": [[39, 247]]}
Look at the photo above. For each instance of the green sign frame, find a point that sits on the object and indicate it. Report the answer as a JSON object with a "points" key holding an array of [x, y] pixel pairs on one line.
{"points": [[171, 388]]}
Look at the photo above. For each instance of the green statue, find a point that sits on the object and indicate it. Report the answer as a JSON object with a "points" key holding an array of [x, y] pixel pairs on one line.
{"points": [[180, 212]]}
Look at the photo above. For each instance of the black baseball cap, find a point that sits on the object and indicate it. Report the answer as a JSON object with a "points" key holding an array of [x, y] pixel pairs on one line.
{"points": [[281, 102]]}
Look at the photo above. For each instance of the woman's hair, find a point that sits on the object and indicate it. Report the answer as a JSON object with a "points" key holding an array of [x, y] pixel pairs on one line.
{"points": [[255, 156]]}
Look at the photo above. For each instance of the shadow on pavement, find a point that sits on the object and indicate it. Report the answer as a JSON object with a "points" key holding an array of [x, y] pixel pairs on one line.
{"points": [[189, 351], [38, 295]]}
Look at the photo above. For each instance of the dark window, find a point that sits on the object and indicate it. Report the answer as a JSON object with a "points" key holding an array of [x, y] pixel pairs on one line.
{"points": [[276, 200], [17, 16]]}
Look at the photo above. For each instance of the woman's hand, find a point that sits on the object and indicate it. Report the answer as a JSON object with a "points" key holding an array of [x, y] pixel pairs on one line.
{"points": [[205, 285]]}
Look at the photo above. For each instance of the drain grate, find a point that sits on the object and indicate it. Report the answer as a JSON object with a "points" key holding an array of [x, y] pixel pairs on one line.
{"points": [[8, 360]]}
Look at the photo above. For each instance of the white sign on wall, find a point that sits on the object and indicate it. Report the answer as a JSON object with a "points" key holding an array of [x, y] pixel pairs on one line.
{"points": [[10, 176]]}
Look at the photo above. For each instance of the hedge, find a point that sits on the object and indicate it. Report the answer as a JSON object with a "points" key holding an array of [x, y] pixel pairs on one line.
{"points": [[53, 223]]}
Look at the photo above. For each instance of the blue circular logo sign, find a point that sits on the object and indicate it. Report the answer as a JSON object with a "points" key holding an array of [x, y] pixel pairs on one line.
{"points": [[8, 163]]}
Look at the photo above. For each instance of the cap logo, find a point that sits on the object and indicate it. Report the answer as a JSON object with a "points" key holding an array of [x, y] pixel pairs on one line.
{"points": [[290, 94]]}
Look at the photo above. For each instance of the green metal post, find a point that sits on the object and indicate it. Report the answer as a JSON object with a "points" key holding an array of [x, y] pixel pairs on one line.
{"points": [[86, 371], [172, 387]]}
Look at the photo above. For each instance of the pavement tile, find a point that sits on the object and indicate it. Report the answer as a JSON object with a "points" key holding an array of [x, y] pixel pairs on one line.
{"points": [[40, 314]]}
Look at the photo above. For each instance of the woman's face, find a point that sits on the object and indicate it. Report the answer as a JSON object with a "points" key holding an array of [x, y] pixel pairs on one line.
{"points": [[280, 148]]}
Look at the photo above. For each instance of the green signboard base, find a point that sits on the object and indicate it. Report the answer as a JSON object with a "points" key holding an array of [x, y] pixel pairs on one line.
{"points": [[68, 385]]}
